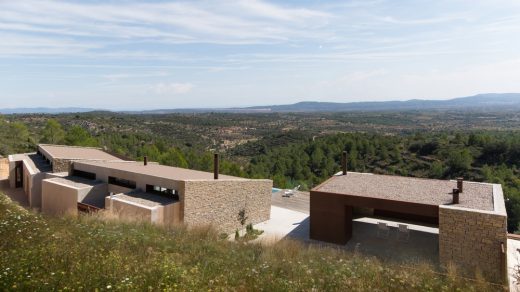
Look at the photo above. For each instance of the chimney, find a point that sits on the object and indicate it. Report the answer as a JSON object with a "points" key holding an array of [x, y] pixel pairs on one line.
{"points": [[215, 166], [460, 183], [344, 162], [455, 196], [146, 160]]}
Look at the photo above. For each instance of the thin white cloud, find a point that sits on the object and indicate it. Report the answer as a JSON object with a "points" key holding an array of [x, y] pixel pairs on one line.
{"points": [[179, 22], [172, 88]]}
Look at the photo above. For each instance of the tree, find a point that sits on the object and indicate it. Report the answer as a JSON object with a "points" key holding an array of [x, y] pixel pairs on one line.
{"points": [[78, 136], [436, 170], [174, 157], [18, 131], [459, 161], [53, 133]]}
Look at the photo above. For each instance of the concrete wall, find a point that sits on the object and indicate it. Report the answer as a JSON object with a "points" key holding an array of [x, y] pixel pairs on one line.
{"points": [[173, 214], [471, 239], [94, 195], [12, 176], [170, 214], [4, 168], [59, 199], [35, 192], [129, 211], [218, 202]]}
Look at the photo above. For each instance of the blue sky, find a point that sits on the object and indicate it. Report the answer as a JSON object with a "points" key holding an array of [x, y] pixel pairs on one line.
{"points": [[172, 54]]}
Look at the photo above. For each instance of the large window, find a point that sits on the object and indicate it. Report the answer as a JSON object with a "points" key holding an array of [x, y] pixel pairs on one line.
{"points": [[84, 174], [158, 190], [121, 182]]}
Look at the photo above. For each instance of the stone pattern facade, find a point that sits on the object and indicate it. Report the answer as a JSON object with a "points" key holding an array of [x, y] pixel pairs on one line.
{"points": [[472, 239], [61, 165], [219, 202]]}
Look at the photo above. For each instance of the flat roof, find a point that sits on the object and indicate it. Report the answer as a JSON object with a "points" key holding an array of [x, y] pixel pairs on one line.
{"points": [[409, 189], [34, 161], [157, 170], [145, 199], [75, 152], [75, 182]]}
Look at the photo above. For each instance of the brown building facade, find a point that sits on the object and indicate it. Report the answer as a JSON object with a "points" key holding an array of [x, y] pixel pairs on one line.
{"points": [[472, 229]]}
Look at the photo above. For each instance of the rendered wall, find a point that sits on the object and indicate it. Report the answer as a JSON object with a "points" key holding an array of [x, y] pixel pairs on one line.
{"points": [[471, 239], [4, 168], [127, 211], [94, 195], [172, 214], [58, 199], [35, 190], [218, 202], [164, 215], [12, 176]]}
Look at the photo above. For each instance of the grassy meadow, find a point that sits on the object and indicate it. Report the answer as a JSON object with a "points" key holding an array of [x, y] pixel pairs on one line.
{"points": [[89, 253]]}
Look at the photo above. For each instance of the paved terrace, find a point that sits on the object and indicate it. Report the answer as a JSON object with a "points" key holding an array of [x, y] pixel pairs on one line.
{"points": [[408, 189]]}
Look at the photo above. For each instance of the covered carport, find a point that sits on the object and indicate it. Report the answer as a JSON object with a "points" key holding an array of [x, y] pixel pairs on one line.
{"points": [[332, 214], [470, 218]]}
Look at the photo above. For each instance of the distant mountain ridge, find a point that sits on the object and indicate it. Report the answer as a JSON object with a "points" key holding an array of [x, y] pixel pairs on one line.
{"points": [[480, 101], [488, 101], [45, 110]]}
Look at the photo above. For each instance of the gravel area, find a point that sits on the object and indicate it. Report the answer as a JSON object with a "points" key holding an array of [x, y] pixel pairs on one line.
{"points": [[408, 189]]}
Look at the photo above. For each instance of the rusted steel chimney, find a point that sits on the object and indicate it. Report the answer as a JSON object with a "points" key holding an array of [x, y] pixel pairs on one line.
{"points": [[344, 162], [460, 184], [145, 160], [215, 166], [455, 196]]}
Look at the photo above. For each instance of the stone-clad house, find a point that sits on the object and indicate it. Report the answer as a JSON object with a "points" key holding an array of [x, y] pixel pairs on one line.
{"points": [[64, 179], [470, 216]]}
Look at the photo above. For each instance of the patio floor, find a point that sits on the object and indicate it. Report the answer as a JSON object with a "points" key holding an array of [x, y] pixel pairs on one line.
{"points": [[421, 247]]}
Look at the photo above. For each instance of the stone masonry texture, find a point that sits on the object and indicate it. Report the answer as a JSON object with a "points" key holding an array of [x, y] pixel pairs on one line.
{"points": [[471, 240], [219, 202]]}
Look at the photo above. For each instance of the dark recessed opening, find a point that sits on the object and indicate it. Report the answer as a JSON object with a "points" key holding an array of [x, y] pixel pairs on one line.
{"points": [[121, 182], [162, 191]]}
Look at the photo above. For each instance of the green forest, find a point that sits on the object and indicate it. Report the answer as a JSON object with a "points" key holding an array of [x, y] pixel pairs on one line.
{"points": [[297, 158]]}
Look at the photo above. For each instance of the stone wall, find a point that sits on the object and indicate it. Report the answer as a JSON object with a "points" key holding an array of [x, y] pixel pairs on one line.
{"points": [[471, 239], [218, 202], [61, 165]]}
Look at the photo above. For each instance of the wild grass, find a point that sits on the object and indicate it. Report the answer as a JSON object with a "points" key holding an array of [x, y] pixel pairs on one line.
{"points": [[90, 253]]}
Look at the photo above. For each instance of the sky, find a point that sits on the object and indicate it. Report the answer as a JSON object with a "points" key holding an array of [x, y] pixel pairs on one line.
{"points": [[131, 55]]}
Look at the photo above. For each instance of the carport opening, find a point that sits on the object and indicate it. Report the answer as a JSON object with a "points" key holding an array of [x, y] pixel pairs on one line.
{"points": [[394, 236]]}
